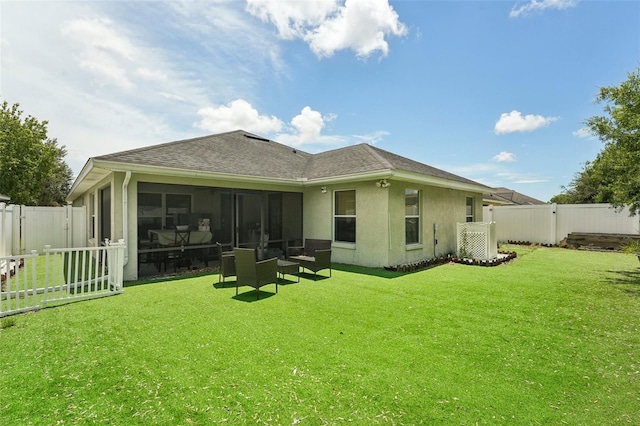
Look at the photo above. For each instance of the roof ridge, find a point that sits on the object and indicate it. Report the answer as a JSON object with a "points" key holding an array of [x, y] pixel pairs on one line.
{"points": [[148, 147], [376, 153]]}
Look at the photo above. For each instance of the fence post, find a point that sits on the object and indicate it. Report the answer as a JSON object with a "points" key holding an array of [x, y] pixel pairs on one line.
{"points": [[554, 224], [3, 234], [34, 276], [115, 259], [47, 276], [68, 212]]}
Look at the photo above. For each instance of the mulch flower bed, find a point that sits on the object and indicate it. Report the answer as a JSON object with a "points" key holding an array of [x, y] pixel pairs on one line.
{"points": [[428, 263]]}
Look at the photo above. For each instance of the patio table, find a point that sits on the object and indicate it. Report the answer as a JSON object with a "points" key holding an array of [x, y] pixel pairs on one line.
{"points": [[287, 267], [168, 236]]}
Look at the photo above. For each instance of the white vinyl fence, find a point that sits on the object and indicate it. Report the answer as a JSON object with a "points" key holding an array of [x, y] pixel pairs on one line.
{"points": [[30, 282], [27, 228], [551, 223]]}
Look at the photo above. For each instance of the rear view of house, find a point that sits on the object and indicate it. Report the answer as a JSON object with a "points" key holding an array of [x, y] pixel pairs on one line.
{"points": [[237, 188]]}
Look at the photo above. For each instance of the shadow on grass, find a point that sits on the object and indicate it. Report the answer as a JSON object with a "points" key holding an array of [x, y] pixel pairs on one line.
{"points": [[377, 272], [628, 280], [312, 277], [167, 278], [252, 296]]}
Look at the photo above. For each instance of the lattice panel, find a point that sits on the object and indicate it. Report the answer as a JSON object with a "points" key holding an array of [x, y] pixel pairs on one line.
{"points": [[476, 240], [475, 244]]}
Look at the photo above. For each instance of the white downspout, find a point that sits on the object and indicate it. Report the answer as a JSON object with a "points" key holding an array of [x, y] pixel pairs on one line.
{"points": [[125, 215]]}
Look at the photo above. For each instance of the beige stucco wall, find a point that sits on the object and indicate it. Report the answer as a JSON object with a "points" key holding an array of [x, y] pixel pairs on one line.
{"points": [[380, 222], [443, 207], [372, 225]]}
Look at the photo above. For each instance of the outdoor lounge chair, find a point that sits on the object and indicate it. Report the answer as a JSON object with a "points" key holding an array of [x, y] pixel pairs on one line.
{"points": [[252, 273], [227, 263], [314, 256]]}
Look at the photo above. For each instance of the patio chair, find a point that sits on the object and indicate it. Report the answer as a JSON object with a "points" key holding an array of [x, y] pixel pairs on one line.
{"points": [[182, 257], [314, 256], [227, 263], [252, 273]]}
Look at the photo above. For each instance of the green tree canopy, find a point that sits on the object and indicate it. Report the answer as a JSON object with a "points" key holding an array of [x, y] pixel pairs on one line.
{"points": [[614, 176], [32, 166]]}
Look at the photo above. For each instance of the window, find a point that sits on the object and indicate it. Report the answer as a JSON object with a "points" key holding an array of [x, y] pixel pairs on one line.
{"points": [[469, 209], [105, 213], [344, 217], [412, 216]]}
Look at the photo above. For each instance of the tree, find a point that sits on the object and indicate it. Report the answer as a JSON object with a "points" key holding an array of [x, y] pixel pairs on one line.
{"points": [[614, 176], [32, 166]]}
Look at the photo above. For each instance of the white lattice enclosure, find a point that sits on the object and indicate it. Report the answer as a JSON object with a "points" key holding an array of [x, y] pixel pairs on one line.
{"points": [[477, 240]]}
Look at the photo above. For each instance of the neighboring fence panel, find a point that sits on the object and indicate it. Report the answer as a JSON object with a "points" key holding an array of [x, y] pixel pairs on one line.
{"points": [[595, 218], [550, 223], [29, 282], [30, 228], [6, 231]]}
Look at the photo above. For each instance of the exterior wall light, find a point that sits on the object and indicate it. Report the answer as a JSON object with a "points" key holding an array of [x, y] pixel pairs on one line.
{"points": [[383, 183], [323, 189]]}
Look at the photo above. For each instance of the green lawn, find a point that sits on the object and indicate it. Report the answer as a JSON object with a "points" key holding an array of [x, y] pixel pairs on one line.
{"points": [[550, 338]]}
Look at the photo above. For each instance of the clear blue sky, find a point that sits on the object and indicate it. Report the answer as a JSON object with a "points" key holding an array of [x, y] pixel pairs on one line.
{"points": [[495, 91]]}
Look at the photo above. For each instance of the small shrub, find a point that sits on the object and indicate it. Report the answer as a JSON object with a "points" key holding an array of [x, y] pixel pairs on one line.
{"points": [[632, 247]]}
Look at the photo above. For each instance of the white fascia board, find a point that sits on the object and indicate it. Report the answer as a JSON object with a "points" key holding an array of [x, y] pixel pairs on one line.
{"points": [[89, 176], [439, 182], [199, 174], [379, 174]]}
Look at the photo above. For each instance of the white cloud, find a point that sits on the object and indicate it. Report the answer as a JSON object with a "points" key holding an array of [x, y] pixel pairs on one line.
{"points": [[505, 156], [372, 138], [306, 129], [330, 26], [584, 133], [535, 6], [104, 49], [514, 121], [521, 178], [238, 114]]}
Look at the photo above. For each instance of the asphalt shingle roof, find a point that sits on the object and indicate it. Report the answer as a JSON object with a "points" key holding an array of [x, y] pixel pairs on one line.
{"points": [[246, 154], [237, 153]]}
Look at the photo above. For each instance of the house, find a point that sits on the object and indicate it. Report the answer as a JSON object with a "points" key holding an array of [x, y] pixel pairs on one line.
{"points": [[4, 198], [508, 197], [378, 208]]}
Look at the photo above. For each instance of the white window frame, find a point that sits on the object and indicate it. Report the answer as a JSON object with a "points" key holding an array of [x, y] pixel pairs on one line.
{"points": [[469, 217], [416, 216], [337, 216]]}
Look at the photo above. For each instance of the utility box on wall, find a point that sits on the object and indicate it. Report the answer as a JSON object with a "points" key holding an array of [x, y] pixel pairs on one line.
{"points": [[477, 240]]}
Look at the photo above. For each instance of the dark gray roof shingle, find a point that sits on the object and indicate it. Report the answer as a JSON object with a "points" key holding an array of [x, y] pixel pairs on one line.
{"points": [[246, 154], [238, 153]]}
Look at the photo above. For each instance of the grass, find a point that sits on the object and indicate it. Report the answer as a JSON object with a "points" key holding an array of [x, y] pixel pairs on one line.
{"points": [[550, 338]]}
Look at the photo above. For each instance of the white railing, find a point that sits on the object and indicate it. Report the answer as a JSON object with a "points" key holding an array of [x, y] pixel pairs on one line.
{"points": [[30, 282], [477, 240]]}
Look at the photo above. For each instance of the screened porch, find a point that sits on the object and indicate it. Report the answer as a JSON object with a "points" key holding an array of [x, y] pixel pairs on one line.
{"points": [[179, 225]]}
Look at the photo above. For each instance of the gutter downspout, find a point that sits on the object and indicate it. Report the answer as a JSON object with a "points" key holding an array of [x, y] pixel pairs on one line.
{"points": [[125, 215]]}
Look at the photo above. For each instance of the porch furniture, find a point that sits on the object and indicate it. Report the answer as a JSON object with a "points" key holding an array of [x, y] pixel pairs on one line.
{"points": [[181, 257], [315, 255], [252, 273], [227, 263], [287, 267], [167, 236]]}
